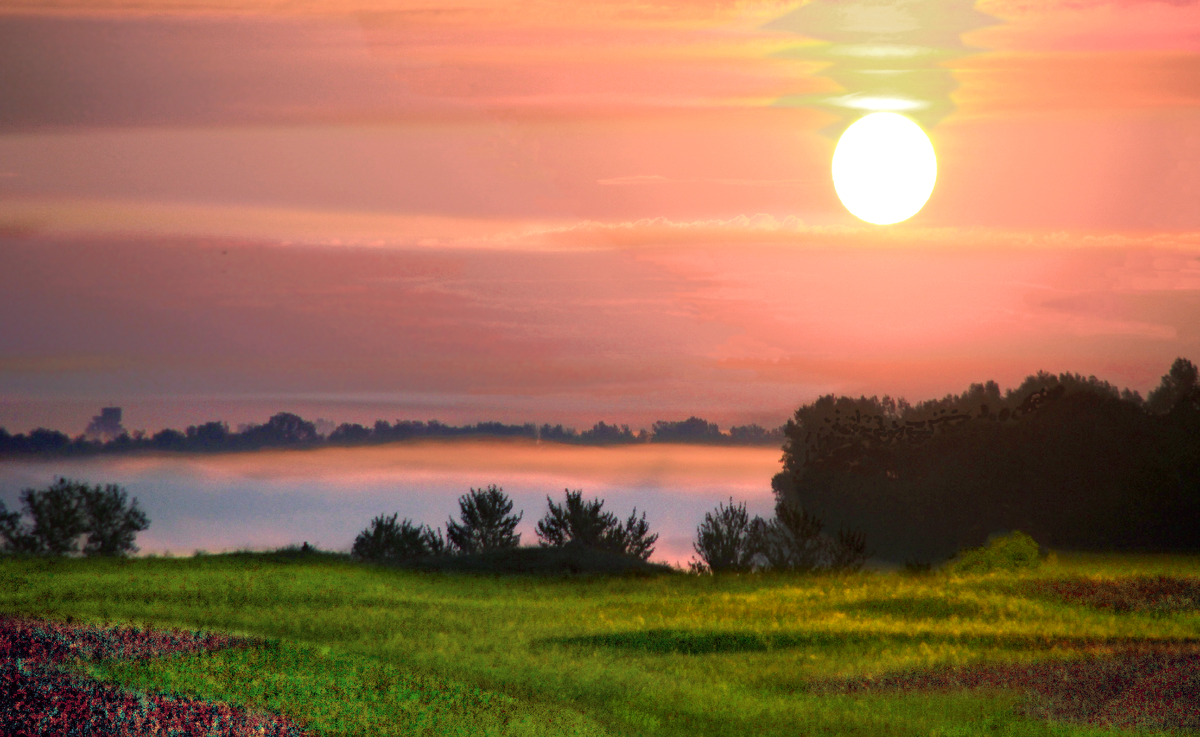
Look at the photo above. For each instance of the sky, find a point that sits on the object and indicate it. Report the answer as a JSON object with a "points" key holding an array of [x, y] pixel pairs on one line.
{"points": [[580, 211]]}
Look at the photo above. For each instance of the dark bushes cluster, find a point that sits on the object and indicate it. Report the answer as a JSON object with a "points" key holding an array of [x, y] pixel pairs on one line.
{"points": [[486, 524], [728, 541]]}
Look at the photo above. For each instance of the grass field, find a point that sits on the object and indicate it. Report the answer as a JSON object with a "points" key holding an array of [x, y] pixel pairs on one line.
{"points": [[360, 650]]}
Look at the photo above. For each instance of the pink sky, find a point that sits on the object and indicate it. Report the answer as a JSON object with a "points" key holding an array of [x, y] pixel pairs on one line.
{"points": [[573, 212]]}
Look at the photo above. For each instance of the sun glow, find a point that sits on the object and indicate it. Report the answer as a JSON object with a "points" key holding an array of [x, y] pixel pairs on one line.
{"points": [[884, 168]]}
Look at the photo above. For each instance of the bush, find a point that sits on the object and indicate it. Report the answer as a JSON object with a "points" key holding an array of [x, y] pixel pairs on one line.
{"points": [[723, 541], [66, 511], [385, 540], [486, 522], [792, 541], [584, 523], [1001, 553]]}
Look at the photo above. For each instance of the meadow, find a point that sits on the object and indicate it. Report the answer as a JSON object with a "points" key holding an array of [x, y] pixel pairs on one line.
{"points": [[354, 649]]}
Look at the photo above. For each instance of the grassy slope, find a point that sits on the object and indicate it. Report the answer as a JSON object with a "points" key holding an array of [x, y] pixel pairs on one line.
{"points": [[369, 651]]}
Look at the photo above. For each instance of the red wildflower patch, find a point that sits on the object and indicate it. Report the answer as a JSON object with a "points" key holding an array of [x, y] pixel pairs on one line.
{"points": [[1141, 594], [1149, 687], [37, 698]]}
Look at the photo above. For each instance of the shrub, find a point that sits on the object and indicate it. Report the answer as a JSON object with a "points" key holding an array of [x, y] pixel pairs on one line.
{"points": [[1001, 553], [385, 540], [723, 541], [583, 522], [792, 541], [65, 512], [486, 522], [849, 551]]}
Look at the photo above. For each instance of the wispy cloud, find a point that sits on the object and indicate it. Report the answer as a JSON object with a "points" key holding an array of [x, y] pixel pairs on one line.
{"points": [[657, 179]]}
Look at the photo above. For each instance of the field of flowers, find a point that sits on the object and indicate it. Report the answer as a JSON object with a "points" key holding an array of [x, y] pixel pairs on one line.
{"points": [[1084, 646], [38, 697]]}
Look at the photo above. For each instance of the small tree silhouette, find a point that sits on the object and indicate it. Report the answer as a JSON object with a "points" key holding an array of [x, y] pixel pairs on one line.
{"points": [[486, 522], [66, 511], [723, 540], [389, 541], [1180, 383], [111, 526], [792, 541], [584, 523]]}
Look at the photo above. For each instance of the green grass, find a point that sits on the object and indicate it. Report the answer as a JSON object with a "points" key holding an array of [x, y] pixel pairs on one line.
{"points": [[360, 650]]}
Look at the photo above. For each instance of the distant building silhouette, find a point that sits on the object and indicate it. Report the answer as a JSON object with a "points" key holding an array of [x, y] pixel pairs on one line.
{"points": [[106, 425]]}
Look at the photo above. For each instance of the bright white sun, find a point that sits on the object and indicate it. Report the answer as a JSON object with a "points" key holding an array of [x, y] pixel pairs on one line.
{"points": [[884, 168]]}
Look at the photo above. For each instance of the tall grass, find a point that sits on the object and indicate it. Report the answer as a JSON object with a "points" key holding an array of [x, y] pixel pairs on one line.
{"points": [[361, 650]]}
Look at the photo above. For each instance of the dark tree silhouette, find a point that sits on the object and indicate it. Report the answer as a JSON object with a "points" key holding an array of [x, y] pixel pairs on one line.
{"points": [[209, 436], [755, 435], [792, 541], [486, 522], [385, 540], [349, 434], [557, 433], [169, 439], [1073, 460], [691, 430], [584, 523], [111, 526], [1179, 384], [602, 433], [67, 510], [284, 428], [723, 541]]}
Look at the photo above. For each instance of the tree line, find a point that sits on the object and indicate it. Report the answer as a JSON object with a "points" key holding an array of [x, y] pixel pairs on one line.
{"points": [[71, 518], [1070, 460], [287, 430], [727, 541]]}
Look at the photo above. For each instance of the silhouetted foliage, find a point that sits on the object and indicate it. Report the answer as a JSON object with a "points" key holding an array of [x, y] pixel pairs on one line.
{"points": [[557, 433], [283, 428], [723, 541], [209, 436], [1073, 460], [169, 439], [288, 430], [584, 523], [602, 433], [792, 541], [691, 430], [486, 522], [66, 511], [349, 434], [385, 540], [111, 525], [755, 435], [1179, 384]]}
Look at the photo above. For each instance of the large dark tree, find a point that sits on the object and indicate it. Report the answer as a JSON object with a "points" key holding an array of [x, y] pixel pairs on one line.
{"points": [[1074, 462], [485, 522]]}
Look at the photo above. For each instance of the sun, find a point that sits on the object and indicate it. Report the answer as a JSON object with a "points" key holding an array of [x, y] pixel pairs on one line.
{"points": [[884, 168]]}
